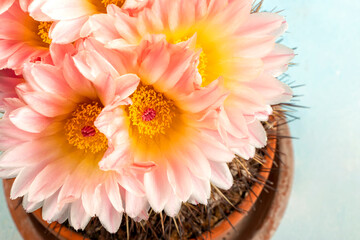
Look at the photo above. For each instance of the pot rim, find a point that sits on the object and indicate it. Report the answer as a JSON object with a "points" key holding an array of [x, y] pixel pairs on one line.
{"points": [[57, 229], [250, 199]]}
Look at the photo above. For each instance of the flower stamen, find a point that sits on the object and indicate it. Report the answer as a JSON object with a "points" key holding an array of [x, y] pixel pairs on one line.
{"points": [[80, 129], [202, 67], [101, 5], [43, 31], [151, 112], [118, 3]]}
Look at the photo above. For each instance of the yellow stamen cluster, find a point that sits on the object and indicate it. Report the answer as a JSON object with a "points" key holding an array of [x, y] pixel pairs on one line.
{"points": [[43, 31], [83, 119], [118, 3], [151, 112], [202, 68]]}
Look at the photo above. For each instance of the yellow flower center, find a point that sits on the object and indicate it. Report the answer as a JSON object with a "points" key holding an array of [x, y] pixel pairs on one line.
{"points": [[100, 5], [118, 3], [203, 61], [43, 31], [80, 129], [151, 112]]}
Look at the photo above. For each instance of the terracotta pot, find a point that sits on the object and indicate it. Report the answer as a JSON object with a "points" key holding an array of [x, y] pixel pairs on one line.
{"points": [[264, 212], [264, 208], [27, 225], [31, 225]]}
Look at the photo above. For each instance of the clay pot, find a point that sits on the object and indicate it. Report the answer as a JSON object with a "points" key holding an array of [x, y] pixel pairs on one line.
{"points": [[27, 225], [31, 225], [264, 209]]}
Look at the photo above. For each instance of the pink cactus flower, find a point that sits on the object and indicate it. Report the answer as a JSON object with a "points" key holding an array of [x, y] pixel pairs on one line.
{"points": [[166, 122], [53, 148], [22, 39], [235, 44], [71, 15]]}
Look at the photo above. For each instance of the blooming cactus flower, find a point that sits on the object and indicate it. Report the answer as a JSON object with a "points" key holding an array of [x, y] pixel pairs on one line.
{"points": [[53, 148], [147, 110], [22, 38], [71, 15], [166, 123], [235, 45]]}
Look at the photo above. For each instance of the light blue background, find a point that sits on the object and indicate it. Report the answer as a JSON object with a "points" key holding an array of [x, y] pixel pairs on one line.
{"points": [[325, 201]]}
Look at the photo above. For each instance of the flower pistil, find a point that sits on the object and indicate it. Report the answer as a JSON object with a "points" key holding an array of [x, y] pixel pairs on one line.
{"points": [[151, 112], [80, 129]]}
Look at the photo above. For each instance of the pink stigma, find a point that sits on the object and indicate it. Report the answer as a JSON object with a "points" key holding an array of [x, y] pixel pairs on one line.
{"points": [[88, 131], [148, 115]]}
